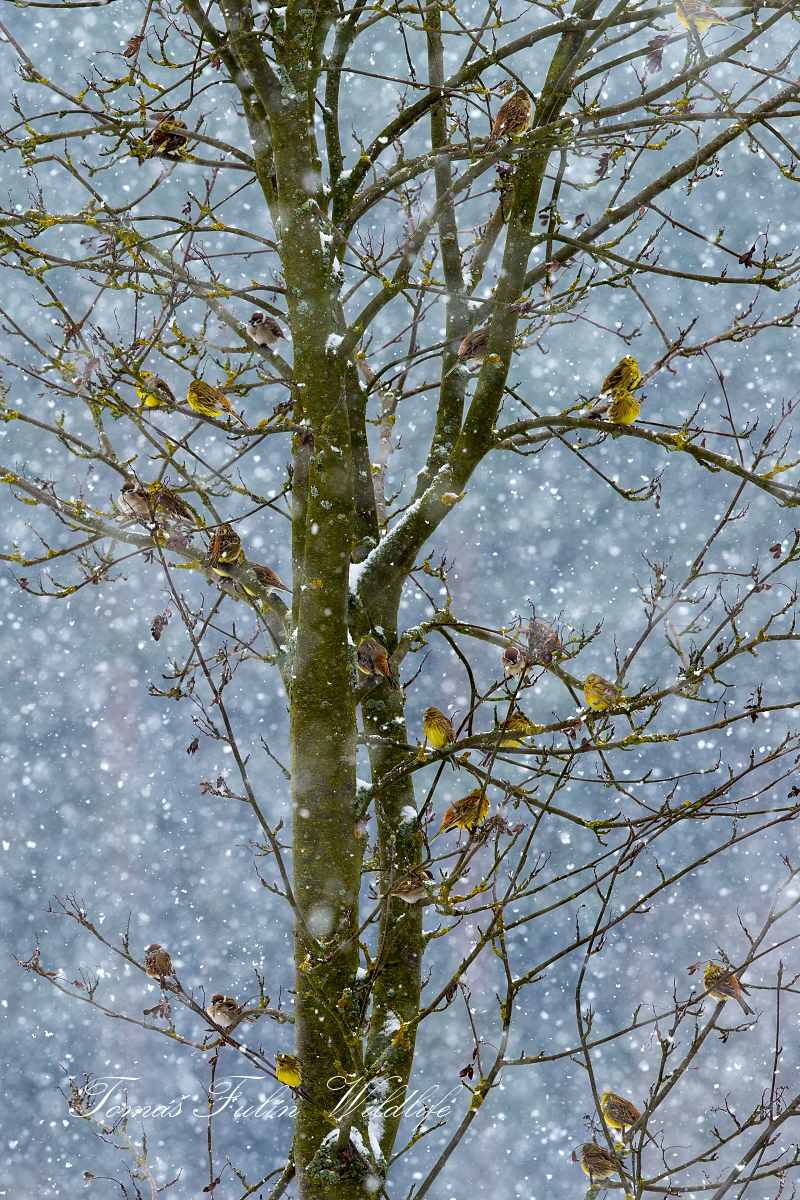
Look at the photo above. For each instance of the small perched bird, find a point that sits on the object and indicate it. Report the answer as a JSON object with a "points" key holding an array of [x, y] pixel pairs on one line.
{"points": [[412, 887], [225, 548], [600, 693], [156, 505], [597, 1163], [208, 401], [513, 118], [157, 962], [226, 1013], [169, 136], [625, 374], [515, 728], [723, 985], [438, 728], [543, 642], [154, 392], [373, 659], [473, 346], [698, 15], [264, 329], [619, 1113], [624, 408], [514, 661], [467, 813], [288, 1070], [266, 579]]}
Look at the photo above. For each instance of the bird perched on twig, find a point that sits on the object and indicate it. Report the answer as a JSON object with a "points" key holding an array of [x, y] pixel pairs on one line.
{"points": [[512, 731], [264, 329], [156, 504], [624, 408], [169, 136], [513, 118], [225, 1012], [467, 813], [438, 728], [154, 392], [698, 15], [723, 985], [472, 348], [157, 962], [225, 549], [288, 1070], [619, 1113], [514, 661], [412, 887], [208, 401], [599, 693], [266, 578], [626, 374], [373, 659], [597, 1163], [543, 642]]}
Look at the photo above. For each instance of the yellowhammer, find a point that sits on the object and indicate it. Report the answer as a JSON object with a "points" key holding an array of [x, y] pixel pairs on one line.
{"points": [[468, 812], [625, 374], [208, 401], [619, 1113], [723, 985], [169, 136], [513, 118], [438, 728], [154, 392], [698, 15], [600, 693], [225, 548], [624, 408], [288, 1070]]}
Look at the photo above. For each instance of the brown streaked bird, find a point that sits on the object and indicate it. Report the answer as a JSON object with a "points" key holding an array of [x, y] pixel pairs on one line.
{"points": [[619, 1113], [412, 887], [438, 729], [597, 1163], [169, 507], [513, 118], [208, 401], [372, 658], [266, 579], [722, 984], [226, 1013], [135, 502], [288, 1070], [157, 962], [514, 661], [473, 347], [264, 329], [467, 813], [169, 136], [225, 549], [543, 642]]}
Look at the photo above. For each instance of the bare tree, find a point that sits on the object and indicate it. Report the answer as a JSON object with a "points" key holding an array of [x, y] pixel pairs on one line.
{"points": [[407, 253]]}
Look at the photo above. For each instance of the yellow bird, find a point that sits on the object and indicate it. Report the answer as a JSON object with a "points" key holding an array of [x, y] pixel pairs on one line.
{"points": [[288, 1070], [597, 1163], [208, 401], [624, 408], [625, 374], [514, 730], [723, 985], [619, 1113], [154, 392], [599, 693], [698, 15], [438, 728], [467, 813]]}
